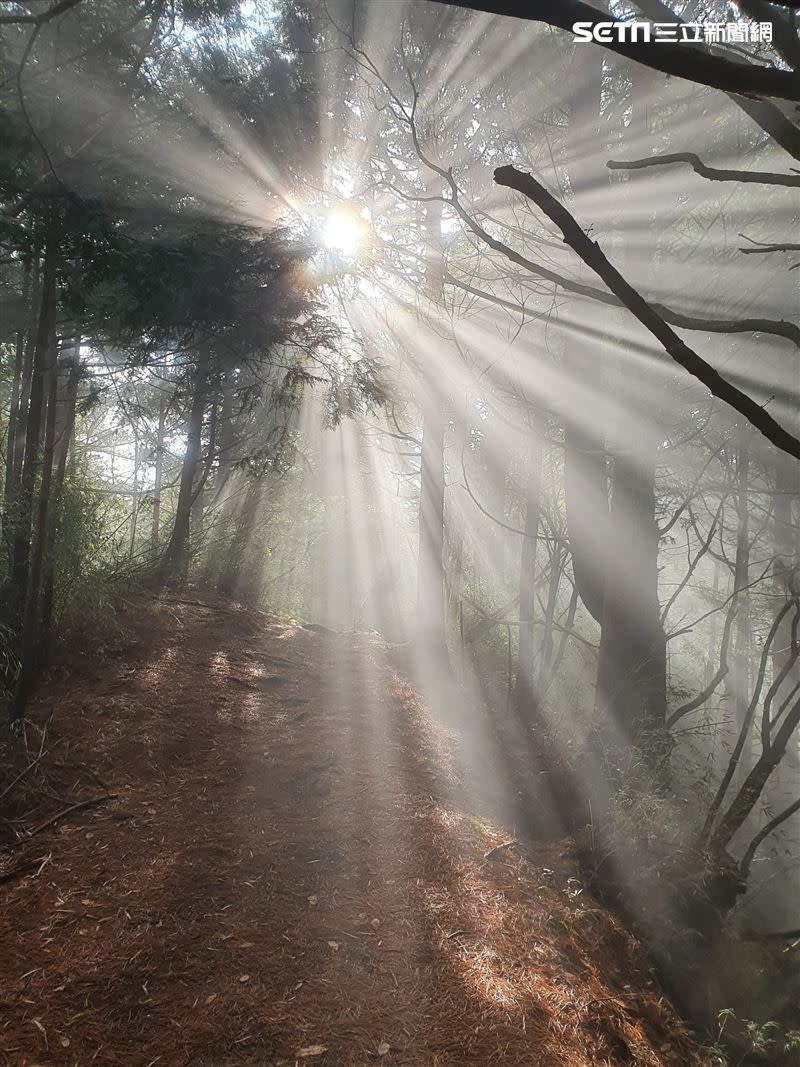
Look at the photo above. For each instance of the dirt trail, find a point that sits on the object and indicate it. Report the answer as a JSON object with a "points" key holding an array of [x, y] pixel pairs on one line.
{"points": [[289, 873]]}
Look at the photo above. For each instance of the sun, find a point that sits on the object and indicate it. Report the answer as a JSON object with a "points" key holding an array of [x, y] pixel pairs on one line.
{"points": [[343, 233]]}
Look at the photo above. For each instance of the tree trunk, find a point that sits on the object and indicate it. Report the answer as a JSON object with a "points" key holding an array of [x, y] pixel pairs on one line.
{"points": [[586, 500], [29, 639], [17, 443], [65, 425], [632, 661], [155, 527], [134, 520], [525, 698], [739, 677], [785, 568], [754, 783], [175, 562], [42, 355], [16, 397]]}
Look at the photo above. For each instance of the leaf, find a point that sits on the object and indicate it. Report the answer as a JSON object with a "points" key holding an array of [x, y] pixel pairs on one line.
{"points": [[310, 1050], [383, 1048]]}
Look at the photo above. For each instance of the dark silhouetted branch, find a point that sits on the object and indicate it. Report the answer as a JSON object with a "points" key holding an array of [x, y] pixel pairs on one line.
{"points": [[771, 826], [680, 59], [710, 689], [592, 255], [759, 249], [764, 113], [714, 174]]}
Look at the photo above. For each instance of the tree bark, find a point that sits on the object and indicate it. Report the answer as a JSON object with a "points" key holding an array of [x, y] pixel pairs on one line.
{"points": [[29, 638], [175, 561], [14, 406], [632, 661], [524, 696], [63, 440], [155, 526], [42, 354]]}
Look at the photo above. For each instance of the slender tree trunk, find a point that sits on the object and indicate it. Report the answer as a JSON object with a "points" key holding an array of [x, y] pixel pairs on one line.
{"points": [[63, 440], [15, 398], [753, 786], [175, 562], [525, 698], [739, 678], [43, 354], [17, 446], [787, 557], [155, 527], [556, 574], [134, 521]]}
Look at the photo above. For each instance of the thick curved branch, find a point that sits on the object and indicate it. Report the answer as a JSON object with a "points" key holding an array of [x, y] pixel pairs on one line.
{"points": [[741, 740], [764, 113], [763, 833], [592, 255], [39, 20], [757, 249], [679, 59], [784, 34], [710, 689], [714, 174]]}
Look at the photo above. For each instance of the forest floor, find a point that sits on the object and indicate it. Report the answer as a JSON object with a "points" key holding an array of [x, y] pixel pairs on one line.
{"points": [[289, 869]]}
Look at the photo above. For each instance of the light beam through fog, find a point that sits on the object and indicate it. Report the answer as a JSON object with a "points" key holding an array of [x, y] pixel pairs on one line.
{"points": [[328, 367]]}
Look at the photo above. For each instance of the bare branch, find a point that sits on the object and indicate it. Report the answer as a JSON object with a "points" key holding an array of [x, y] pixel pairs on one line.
{"points": [[592, 255], [714, 174]]}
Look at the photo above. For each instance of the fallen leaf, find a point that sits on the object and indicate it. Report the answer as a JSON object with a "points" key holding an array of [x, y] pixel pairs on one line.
{"points": [[383, 1048], [310, 1050], [334, 945]]}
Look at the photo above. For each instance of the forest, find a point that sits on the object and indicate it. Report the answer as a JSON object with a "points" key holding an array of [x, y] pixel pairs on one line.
{"points": [[399, 533]]}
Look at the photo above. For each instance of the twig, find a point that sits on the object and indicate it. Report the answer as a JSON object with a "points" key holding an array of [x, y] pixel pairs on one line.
{"points": [[498, 848], [82, 806], [24, 868], [22, 774]]}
